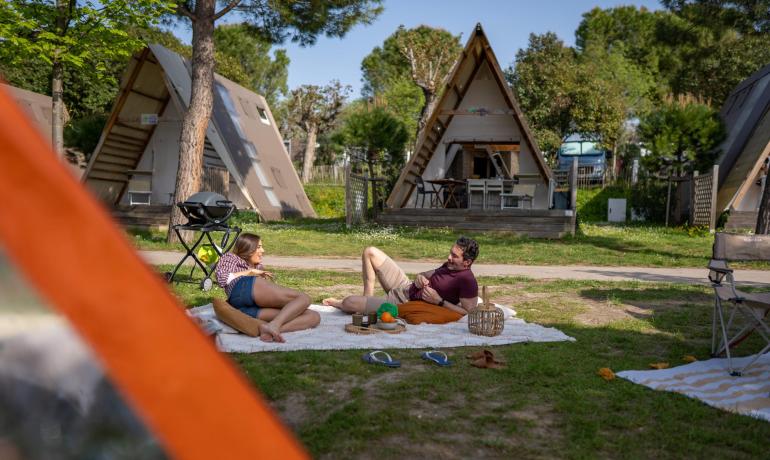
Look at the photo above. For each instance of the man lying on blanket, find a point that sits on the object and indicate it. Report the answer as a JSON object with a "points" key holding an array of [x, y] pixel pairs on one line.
{"points": [[451, 289]]}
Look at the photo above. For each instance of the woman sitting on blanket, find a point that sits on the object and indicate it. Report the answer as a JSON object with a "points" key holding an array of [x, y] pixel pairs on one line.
{"points": [[251, 290]]}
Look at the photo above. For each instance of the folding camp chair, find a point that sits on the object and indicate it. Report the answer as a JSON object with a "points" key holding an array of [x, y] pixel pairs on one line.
{"points": [[737, 313]]}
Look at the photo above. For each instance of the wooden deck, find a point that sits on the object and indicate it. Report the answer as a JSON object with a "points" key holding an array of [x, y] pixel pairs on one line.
{"points": [[536, 223]]}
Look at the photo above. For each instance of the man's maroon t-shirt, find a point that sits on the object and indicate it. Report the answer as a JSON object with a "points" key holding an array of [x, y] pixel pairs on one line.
{"points": [[451, 285]]}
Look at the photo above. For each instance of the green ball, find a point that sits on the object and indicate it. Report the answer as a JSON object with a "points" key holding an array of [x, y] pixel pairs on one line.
{"points": [[207, 254]]}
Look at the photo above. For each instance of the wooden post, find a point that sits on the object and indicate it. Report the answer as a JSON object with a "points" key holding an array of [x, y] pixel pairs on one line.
{"points": [[573, 182], [714, 183], [693, 196], [668, 198], [348, 198]]}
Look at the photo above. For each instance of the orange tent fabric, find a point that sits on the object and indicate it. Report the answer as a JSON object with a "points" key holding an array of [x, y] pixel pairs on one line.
{"points": [[192, 397]]}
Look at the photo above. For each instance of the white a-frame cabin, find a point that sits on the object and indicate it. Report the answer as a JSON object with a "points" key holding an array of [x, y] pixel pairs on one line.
{"points": [[478, 155]]}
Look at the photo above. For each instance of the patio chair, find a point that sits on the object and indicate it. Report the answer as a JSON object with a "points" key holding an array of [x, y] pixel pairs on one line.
{"points": [[523, 193], [737, 313], [422, 191], [494, 189], [476, 185]]}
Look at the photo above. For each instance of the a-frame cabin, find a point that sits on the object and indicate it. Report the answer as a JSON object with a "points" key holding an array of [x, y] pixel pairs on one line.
{"points": [[745, 151], [134, 166], [477, 151]]}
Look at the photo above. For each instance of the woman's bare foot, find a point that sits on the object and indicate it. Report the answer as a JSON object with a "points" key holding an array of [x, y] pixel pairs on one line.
{"points": [[332, 302], [268, 333]]}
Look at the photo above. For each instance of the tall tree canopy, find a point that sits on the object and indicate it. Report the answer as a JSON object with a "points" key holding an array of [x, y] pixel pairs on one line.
{"points": [[423, 55], [684, 132], [315, 110], [563, 92], [68, 34], [382, 137], [266, 75], [273, 20]]}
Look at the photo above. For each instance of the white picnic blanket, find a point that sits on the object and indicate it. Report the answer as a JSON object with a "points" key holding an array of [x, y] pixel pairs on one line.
{"points": [[710, 382], [330, 334]]}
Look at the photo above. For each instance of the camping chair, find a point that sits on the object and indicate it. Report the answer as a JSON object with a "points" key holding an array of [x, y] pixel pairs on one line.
{"points": [[523, 193], [422, 191], [751, 307], [476, 185]]}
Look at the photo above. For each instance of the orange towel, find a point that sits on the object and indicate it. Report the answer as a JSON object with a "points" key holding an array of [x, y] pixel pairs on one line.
{"points": [[417, 311]]}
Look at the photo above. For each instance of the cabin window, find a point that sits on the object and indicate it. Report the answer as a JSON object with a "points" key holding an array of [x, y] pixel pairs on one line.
{"points": [[263, 115]]}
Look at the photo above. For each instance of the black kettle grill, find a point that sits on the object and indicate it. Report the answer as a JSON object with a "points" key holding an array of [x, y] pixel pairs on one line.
{"points": [[206, 212]]}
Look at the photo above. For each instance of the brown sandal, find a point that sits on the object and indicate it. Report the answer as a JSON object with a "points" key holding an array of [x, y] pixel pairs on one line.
{"points": [[485, 359]]}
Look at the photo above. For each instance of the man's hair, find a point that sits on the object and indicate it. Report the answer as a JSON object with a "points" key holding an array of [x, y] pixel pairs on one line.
{"points": [[469, 246]]}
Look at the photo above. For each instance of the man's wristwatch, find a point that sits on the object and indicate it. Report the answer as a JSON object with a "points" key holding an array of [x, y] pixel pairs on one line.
{"points": [[441, 303]]}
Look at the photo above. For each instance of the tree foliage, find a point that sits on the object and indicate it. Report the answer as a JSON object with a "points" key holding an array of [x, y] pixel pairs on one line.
{"points": [[86, 36], [273, 20], [422, 56], [684, 133], [315, 110], [382, 137], [562, 92], [265, 75]]}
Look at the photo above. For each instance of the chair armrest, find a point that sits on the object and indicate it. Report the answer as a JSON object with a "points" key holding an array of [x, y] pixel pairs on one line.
{"points": [[719, 266]]}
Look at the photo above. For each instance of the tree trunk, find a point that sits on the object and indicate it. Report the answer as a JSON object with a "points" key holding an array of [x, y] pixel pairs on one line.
{"points": [[57, 123], [57, 85], [763, 217], [307, 162], [375, 194], [196, 117], [425, 112]]}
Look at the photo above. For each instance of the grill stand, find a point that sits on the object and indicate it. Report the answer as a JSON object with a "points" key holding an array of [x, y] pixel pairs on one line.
{"points": [[205, 232]]}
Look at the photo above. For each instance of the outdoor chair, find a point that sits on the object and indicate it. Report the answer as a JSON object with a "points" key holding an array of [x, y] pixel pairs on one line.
{"points": [[476, 185], [737, 313], [494, 189], [422, 191], [523, 193]]}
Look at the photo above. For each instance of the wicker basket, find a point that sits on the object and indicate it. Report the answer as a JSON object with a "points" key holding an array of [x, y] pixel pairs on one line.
{"points": [[486, 319]]}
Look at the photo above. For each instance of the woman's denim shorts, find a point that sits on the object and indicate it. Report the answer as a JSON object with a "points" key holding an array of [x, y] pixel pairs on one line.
{"points": [[241, 296]]}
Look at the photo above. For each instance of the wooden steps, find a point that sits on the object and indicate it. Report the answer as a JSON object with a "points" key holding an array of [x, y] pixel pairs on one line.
{"points": [[535, 223], [153, 217], [741, 220]]}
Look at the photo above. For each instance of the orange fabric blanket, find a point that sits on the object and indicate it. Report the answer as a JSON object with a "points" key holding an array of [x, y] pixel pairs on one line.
{"points": [[417, 311]]}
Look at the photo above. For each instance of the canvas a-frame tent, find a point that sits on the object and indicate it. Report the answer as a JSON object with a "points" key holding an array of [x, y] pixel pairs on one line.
{"points": [[244, 156], [38, 107], [476, 112], [746, 114]]}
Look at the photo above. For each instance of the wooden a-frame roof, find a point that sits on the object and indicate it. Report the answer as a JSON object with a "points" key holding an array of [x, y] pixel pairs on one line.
{"points": [[477, 51]]}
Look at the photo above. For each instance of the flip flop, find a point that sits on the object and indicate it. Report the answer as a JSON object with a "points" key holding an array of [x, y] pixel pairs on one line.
{"points": [[438, 357], [373, 358]]}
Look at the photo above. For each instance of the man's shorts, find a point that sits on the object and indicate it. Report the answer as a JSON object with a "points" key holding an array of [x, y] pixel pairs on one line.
{"points": [[395, 283]]}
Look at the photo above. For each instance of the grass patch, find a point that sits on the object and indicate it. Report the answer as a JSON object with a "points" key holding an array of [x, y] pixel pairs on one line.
{"points": [[548, 402], [603, 245]]}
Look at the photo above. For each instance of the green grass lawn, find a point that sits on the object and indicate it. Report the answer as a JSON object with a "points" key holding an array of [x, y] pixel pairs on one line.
{"points": [[547, 403], [593, 245]]}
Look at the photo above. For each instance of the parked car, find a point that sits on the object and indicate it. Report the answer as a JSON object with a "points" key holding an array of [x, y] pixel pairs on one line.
{"points": [[592, 159]]}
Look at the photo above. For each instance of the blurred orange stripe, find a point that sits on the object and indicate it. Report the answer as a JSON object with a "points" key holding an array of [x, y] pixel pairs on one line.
{"points": [[192, 397]]}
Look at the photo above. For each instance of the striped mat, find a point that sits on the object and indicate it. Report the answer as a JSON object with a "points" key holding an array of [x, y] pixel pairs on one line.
{"points": [[710, 382]]}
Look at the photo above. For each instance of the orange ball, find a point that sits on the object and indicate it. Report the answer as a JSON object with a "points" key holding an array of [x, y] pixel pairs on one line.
{"points": [[387, 317]]}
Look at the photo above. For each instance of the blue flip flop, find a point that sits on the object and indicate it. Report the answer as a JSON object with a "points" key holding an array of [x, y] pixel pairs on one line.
{"points": [[380, 357], [438, 357]]}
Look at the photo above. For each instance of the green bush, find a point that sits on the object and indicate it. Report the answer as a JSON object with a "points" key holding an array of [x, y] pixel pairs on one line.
{"points": [[646, 198]]}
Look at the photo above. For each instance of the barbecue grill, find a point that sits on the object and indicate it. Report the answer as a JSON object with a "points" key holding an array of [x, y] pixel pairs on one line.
{"points": [[206, 212]]}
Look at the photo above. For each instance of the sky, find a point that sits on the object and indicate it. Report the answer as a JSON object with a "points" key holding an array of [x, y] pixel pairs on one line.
{"points": [[506, 23]]}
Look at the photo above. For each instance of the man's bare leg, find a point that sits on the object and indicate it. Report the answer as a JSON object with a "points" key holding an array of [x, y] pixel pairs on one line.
{"points": [[371, 260]]}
